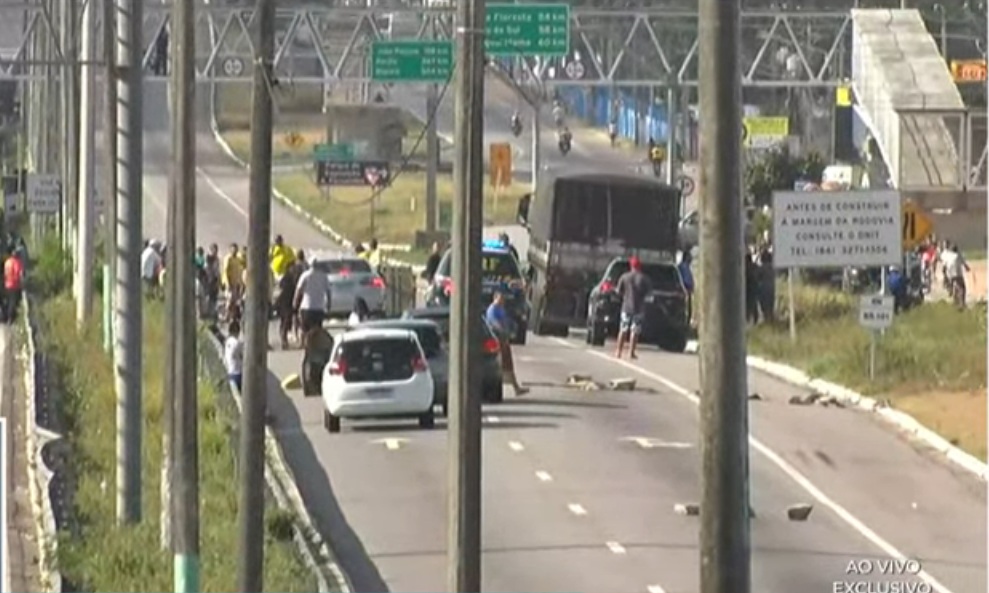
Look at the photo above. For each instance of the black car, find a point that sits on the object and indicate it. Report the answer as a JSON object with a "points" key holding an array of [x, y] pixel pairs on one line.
{"points": [[492, 387], [500, 271], [665, 320]]}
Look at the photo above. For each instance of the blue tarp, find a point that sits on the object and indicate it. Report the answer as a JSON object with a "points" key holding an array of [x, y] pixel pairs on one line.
{"points": [[595, 106]]}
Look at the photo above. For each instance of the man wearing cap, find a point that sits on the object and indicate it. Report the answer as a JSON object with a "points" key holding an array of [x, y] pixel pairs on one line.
{"points": [[633, 286]]}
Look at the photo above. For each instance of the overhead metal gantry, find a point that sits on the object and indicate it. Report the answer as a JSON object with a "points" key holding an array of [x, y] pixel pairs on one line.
{"points": [[639, 47]]}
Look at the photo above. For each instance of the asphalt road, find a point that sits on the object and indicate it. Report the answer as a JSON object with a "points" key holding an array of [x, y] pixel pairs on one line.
{"points": [[570, 502]]}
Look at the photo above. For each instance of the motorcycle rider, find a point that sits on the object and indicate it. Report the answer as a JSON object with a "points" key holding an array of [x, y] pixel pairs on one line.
{"points": [[613, 132], [564, 140], [558, 113], [516, 124], [657, 155]]}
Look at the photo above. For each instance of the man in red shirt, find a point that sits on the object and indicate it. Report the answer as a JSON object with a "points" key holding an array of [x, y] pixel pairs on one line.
{"points": [[13, 280]]}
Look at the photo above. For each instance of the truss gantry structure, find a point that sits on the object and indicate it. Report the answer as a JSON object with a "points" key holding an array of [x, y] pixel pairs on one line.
{"points": [[630, 47]]}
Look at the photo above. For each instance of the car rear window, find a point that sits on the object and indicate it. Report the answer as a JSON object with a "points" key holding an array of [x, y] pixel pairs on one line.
{"points": [[338, 266], [495, 266], [430, 340], [662, 276], [378, 359]]}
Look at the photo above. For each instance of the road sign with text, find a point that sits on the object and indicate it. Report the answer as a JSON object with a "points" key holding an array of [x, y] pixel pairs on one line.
{"points": [[340, 151], [527, 30], [366, 173], [411, 61], [917, 225], [876, 312], [44, 193]]}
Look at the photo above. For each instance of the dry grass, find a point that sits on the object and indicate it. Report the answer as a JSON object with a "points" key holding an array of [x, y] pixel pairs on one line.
{"points": [[400, 210], [932, 362], [109, 558]]}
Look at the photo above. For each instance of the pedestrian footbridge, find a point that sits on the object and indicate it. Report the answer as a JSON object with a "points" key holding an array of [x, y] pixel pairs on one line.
{"points": [[905, 95]]}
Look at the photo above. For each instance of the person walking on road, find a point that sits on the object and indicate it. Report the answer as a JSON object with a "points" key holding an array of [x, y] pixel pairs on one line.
{"points": [[687, 275], [233, 355], [955, 268], [500, 323], [13, 283], [632, 287], [232, 275], [312, 299]]}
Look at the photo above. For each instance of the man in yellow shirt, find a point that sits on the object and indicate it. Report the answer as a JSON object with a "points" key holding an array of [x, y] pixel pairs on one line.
{"points": [[281, 258], [232, 273]]}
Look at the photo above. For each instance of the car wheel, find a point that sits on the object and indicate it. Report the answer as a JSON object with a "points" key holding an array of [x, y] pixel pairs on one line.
{"points": [[520, 336], [674, 343], [494, 393], [426, 419], [331, 422], [595, 335], [445, 410]]}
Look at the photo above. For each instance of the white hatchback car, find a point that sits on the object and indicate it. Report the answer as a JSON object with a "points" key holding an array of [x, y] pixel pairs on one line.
{"points": [[375, 373]]}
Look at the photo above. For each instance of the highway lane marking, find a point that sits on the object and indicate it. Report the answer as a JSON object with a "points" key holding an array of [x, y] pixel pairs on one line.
{"points": [[801, 480], [216, 188], [577, 509], [544, 476], [391, 444], [615, 547], [651, 443], [516, 446], [493, 419], [655, 589]]}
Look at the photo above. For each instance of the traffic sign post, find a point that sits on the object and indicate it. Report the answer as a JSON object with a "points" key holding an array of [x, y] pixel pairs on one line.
{"points": [[341, 151], [500, 164], [527, 30], [352, 173], [876, 315], [44, 193], [411, 61], [917, 225]]}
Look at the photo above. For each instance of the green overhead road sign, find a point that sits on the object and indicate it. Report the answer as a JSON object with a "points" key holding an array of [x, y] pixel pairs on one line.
{"points": [[527, 30], [333, 152], [411, 61]]}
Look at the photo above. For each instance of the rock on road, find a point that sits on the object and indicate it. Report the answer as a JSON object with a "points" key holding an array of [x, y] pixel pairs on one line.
{"points": [[571, 502]]}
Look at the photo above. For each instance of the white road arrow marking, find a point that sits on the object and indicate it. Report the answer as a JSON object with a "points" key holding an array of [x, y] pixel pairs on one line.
{"points": [[651, 443], [391, 444]]}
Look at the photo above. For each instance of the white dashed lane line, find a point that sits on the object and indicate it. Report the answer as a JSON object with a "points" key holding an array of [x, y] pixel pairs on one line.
{"points": [[577, 509], [655, 589], [544, 476], [516, 446], [615, 547]]}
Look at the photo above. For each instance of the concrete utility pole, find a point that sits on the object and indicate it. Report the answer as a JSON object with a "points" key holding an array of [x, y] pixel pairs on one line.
{"points": [[432, 159], [87, 168], [69, 10], [724, 537], [182, 250], [110, 171], [671, 135], [464, 477], [536, 143], [128, 351], [250, 569]]}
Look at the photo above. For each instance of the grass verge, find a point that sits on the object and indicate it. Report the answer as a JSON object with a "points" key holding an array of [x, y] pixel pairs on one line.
{"points": [[103, 556], [931, 363], [298, 114], [400, 211]]}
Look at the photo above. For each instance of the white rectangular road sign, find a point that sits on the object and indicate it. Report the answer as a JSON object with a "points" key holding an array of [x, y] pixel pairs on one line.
{"points": [[835, 229], [44, 193], [876, 311]]}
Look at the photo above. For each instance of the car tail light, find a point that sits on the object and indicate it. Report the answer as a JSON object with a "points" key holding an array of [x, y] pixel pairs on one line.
{"points": [[375, 282], [419, 364], [338, 367], [607, 286], [491, 346], [447, 284], [344, 272]]}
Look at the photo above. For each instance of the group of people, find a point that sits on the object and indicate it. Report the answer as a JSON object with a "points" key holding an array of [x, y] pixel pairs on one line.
{"points": [[944, 256]]}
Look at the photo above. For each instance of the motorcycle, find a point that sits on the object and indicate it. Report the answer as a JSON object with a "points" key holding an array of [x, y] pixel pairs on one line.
{"points": [[564, 144], [516, 127]]}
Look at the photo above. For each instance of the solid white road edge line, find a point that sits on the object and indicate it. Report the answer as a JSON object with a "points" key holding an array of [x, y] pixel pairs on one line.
{"points": [[577, 509], [898, 419], [785, 467]]}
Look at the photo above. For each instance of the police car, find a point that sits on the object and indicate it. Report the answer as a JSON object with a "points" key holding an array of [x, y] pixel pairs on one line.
{"points": [[500, 271]]}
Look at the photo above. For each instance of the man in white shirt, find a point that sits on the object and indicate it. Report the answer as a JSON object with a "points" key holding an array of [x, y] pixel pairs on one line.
{"points": [[233, 355], [312, 299], [150, 266], [955, 267]]}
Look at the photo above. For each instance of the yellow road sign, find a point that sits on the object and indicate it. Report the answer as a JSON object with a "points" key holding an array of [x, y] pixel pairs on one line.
{"points": [[967, 71], [294, 139], [843, 96], [760, 132], [917, 225], [500, 164]]}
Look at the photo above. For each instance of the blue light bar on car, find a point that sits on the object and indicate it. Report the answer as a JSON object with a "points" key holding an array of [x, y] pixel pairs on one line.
{"points": [[493, 244]]}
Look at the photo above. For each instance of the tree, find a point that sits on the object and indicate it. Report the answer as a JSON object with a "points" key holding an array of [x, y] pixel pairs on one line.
{"points": [[779, 170]]}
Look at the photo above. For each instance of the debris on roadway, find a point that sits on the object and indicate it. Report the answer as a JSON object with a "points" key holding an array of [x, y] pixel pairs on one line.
{"points": [[623, 384], [799, 512]]}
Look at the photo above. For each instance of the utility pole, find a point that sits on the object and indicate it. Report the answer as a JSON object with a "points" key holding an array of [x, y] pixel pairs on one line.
{"points": [[250, 517], [185, 445], [724, 538], [536, 143], [671, 135], [128, 350], [87, 168], [432, 159], [110, 171], [70, 120], [464, 473]]}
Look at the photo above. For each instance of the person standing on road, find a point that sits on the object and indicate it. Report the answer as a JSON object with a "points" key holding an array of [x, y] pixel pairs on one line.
{"points": [[955, 268], [433, 262], [233, 355], [151, 264], [498, 320], [232, 274], [687, 275], [632, 287], [312, 299], [13, 283], [751, 289]]}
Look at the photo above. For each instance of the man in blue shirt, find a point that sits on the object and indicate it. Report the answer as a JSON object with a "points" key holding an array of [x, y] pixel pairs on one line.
{"points": [[500, 323], [688, 282]]}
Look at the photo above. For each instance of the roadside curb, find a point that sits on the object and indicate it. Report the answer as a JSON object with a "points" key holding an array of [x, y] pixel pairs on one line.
{"points": [[46, 530], [900, 420], [316, 553], [288, 202]]}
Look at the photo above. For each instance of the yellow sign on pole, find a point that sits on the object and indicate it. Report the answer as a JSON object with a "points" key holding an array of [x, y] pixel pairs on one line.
{"points": [[500, 164], [843, 96], [968, 71], [294, 139], [762, 132], [917, 225]]}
